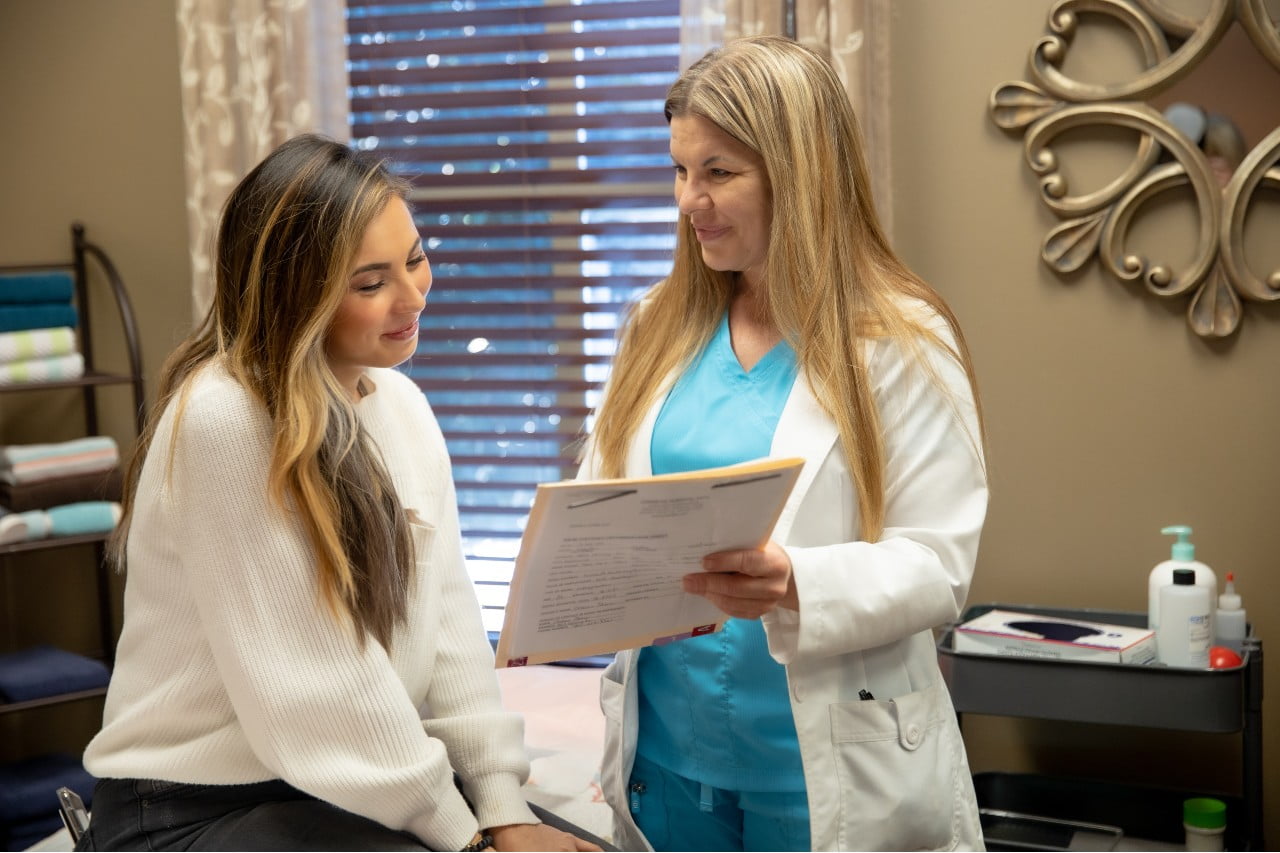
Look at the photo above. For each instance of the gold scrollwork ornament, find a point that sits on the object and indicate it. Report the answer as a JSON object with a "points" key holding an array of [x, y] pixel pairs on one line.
{"points": [[1098, 223]]}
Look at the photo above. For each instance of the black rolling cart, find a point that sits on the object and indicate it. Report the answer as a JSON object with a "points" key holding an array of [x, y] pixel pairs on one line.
{"points": [[1222, 701]]}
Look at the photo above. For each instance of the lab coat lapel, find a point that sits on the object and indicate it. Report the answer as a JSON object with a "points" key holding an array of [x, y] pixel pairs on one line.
{"points": [[806, 431], [639, 458]]}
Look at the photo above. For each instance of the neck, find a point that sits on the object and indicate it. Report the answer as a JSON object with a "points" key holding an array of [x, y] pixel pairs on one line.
{"points": [[748, 301], [354, 385]]}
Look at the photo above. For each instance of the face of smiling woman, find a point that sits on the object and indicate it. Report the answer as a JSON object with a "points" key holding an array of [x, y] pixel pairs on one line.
{"points": [[377, 323], [721, 185]]}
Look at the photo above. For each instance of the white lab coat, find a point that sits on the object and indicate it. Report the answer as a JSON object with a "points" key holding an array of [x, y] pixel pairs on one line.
{"points": [[888, 773]]}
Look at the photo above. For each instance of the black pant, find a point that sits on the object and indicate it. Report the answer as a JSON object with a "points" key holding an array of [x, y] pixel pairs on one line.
{"points": [[140, 814]]}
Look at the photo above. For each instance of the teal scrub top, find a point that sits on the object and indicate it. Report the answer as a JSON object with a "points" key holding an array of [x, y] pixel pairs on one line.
{"points": [[715, 709]]}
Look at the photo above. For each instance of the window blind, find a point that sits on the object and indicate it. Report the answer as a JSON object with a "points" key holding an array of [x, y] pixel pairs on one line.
{"points": [[533, 135]]}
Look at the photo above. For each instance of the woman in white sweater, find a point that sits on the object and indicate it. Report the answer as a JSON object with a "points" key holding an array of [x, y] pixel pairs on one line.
{"points": [[302, 664]]}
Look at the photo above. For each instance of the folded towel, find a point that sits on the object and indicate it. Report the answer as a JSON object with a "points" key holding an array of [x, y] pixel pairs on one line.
{"points": [[17, 526], [41, 671], [82, 518], [70, 366], [32, 463], [45, 286], [43, 315], [69, 520], [26, 834], [12, 453], [27, 787], [36, 343], [94, 486]]}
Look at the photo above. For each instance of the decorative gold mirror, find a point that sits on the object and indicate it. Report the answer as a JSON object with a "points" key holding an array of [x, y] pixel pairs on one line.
{"points": [[1178, 148]]}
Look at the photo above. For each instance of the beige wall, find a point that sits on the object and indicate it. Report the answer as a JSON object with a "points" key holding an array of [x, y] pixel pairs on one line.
{"points": [[1107, 417], [92, 132]]}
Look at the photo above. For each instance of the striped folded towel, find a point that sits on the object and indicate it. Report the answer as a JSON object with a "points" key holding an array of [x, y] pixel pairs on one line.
{"points": [[47, 286], [36, 343], [29, 463], [41, 315], [70, 366]]}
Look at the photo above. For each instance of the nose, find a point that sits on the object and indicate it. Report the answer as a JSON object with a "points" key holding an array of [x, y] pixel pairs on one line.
{"points": [[690, 197], [413, 298]]}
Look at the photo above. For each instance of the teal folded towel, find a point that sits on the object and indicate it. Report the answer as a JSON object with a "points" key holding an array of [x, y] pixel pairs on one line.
{"points": [[49, 286], [42, 315], [81, 518], [75, 519]]}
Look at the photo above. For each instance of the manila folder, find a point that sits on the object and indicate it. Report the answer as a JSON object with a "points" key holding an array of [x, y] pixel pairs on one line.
{"points": [[600, 561]]}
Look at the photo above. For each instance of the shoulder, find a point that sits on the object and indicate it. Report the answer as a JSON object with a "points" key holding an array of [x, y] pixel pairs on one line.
{"points": [[213, 420], [397, 409], [915, 326], [393, 382], [212, 404], [395, 395], [920, 313], [919, 343]]}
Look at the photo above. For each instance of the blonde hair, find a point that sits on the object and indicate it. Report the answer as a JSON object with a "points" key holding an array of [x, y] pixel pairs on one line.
{"points": [[830, 276], [288, 236]]}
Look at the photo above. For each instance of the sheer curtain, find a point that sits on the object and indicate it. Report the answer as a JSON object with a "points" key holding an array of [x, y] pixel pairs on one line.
{"points": [[253, 73], [854, 34]]}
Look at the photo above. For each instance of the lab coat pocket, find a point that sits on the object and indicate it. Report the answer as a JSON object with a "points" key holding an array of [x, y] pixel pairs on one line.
{"points": [[613, 777], [898, 765], [619, 753]]}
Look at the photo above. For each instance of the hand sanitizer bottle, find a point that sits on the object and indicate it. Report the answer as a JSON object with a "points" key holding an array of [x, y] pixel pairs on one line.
{"points": [[1182, 556], [1229, 623]]}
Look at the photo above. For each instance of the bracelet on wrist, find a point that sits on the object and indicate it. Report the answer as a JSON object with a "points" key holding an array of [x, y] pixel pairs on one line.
{"points": [[485, 840]]}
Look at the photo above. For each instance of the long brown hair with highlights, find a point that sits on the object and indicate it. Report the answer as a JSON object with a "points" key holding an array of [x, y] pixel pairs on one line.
{"points": [[288, 236]]}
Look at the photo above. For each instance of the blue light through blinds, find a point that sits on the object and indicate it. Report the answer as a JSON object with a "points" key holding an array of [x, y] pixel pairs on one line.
{"points": [[534, 137]]}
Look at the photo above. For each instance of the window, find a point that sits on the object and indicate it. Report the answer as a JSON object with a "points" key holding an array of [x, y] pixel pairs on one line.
{"points": [[533, 133]]}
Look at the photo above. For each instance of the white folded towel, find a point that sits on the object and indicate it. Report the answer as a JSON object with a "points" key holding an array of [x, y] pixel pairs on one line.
{"points": [[36, 343], [70, 366]]}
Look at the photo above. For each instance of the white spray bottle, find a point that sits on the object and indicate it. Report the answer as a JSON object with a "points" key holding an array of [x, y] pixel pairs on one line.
{"points": [[1182, 556]]}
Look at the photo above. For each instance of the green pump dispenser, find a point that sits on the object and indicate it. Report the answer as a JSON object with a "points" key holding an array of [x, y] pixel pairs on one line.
{"points": [[1182, 549]]}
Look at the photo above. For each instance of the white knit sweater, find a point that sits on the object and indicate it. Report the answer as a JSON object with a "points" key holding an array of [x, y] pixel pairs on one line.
{"points": [[230, 668]]}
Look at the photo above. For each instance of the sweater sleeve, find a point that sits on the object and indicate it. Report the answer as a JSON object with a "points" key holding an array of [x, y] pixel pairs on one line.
{"points": [[860, 595], [323, 711], [464, 708]]}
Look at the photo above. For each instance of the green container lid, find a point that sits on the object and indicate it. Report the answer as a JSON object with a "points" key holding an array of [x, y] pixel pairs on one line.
{"points": [[1204, 812]]}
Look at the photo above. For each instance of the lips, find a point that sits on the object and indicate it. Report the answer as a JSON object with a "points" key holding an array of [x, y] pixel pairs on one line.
{"points": [[404, 333]]}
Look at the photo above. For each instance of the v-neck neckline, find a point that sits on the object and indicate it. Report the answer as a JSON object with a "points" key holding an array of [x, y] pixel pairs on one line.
{"points": [[723, 343]]}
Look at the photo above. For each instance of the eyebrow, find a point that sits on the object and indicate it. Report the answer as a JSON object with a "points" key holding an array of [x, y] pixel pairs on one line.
{"points": [[707, 162], [383, 265]]}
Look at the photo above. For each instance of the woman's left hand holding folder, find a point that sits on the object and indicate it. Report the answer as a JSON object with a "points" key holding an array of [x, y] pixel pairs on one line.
{"points": [[746, 584]]}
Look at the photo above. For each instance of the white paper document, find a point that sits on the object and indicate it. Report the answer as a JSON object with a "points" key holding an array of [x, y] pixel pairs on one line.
{"points": [[600, 562]]}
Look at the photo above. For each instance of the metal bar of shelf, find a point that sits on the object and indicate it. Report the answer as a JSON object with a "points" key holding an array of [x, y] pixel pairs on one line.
{"points": [[56, 699], [53, 542]]}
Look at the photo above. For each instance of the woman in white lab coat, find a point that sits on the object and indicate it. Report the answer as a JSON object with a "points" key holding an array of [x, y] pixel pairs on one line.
{"points": [[817, 719]]}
